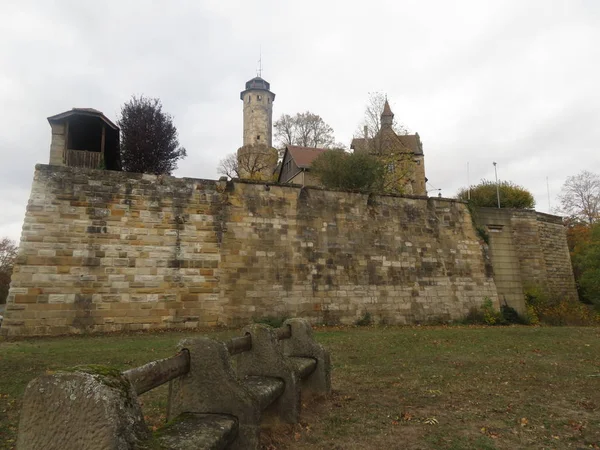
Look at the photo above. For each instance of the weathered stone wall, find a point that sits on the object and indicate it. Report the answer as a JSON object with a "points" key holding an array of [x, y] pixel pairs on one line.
{"points": [[105, 251], [560, 281], [110, 251], [58, 144], [528, 249]]}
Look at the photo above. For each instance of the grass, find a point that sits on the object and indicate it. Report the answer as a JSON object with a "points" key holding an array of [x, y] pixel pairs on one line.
{"points": [[410, 387]]}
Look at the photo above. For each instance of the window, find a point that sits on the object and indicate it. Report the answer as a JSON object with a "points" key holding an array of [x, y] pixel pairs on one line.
{"points": [[258, 137], [259, 98], [249, 98]]}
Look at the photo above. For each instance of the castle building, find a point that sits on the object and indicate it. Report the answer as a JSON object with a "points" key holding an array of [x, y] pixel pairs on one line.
{"points": [[296, 163], [257, 158], [403, 155]]}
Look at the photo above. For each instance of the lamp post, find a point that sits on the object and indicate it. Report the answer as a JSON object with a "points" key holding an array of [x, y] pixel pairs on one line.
{"points": [[497, 186]]}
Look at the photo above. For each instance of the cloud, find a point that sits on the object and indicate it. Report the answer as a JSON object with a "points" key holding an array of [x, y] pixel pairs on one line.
{"points": [[513, 82]]}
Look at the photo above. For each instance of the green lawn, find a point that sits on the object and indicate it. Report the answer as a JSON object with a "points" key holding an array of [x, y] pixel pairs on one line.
{"points": [[411, 387]]}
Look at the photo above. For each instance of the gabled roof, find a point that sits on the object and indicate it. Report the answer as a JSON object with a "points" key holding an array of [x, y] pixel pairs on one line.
{"points": [[412, 143], [90, 112], [304, 156]]}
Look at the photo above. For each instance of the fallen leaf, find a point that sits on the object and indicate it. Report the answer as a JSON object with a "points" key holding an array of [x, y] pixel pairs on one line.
{"points": [[524, 421]]}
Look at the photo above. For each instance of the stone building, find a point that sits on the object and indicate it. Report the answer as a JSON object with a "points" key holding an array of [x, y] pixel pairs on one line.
{"points": [[403, 155], [84, 137], [257, 158]]}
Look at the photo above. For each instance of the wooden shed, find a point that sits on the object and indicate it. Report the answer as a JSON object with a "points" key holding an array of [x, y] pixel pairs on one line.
{"points": [[84, 137]]}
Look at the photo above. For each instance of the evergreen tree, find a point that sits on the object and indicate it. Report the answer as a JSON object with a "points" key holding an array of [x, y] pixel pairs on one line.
{"points": [[149, 142]]}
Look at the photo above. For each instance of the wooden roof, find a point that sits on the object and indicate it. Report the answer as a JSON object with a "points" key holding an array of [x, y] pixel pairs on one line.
{"points": [[89, 112]]}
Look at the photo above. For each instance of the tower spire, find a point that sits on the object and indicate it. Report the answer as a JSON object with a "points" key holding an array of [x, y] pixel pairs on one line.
{"points": [[259, 71], [387, 116]]}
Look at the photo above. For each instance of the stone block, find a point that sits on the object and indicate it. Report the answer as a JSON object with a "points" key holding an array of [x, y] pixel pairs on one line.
{"points": [[91, 408]]}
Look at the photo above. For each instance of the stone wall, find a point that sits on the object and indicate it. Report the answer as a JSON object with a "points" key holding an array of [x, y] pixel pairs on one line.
{"points": [[528, 250], [108, 251]]}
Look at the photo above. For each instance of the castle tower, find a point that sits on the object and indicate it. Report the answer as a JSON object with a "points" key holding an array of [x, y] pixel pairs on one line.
{"points": [[257, 158], [258, 112]]}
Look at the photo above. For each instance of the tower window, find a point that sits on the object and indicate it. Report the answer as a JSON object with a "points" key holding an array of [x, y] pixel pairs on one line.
{"points": [[249, 98], [258, 137], [259, 98]]}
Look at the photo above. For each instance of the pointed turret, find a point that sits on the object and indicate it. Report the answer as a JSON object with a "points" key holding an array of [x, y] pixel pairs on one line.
{"points": [[387, 116]]}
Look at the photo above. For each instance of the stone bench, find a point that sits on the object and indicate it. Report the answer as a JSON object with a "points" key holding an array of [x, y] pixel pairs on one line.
{"points": [[218, 393]]}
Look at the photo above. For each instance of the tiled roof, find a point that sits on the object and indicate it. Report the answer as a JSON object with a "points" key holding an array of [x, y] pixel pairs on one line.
{"points": [[410, 141], [82, 112], [304, 156]]}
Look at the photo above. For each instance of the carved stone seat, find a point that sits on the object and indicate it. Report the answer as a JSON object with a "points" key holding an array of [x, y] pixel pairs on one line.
{"points": [[195, 431]]}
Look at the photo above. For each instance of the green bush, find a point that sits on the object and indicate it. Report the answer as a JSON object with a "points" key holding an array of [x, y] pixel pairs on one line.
{"points": [[485, 194], [365, 320], [511, 316], [337, 169], [542, 308]]}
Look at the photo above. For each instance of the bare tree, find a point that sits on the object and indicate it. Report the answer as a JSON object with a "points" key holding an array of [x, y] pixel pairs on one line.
{"points": [[228, 166], [252, 162], [304, 129], [285, 130], [8, 254], [372, 118], [580, 197]]}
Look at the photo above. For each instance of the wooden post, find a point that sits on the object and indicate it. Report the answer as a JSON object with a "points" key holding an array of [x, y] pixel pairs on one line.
{"points": [[66, 149], [102, 160]]}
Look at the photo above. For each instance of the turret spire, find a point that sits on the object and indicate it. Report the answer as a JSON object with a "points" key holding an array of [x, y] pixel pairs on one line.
{"points": [[387, 116]]}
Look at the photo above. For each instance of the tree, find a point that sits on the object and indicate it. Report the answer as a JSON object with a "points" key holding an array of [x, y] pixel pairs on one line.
{"points": [[372, 117], [586, 262], [511, 195], [305, 130], [254, 162], [149, 142], [8, 253], [337, 169], [580, 197]]}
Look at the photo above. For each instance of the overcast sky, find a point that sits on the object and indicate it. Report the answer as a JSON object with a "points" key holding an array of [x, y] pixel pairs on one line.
{"points": [[514, 82]]}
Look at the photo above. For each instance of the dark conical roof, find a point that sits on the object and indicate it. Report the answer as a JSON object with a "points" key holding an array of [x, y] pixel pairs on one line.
{"points": [[257, 84], [387, 111]]}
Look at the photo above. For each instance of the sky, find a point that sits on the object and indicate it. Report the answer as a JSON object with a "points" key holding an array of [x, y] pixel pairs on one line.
{"points": [[513, 82]]}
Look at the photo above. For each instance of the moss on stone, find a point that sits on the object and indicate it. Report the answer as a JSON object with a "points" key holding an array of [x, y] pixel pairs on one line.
{"points": [[109, 376]]}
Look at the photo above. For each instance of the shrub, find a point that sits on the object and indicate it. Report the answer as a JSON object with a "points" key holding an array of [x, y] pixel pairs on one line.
{"points": [[511, 316], [485, 194], [490, 315], [558, 311], [365, 320], [486, 314]]}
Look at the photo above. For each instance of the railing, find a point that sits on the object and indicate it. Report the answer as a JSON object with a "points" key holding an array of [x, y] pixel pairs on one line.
{"points": [[217, 404], [83, 158], [157, 373]]}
